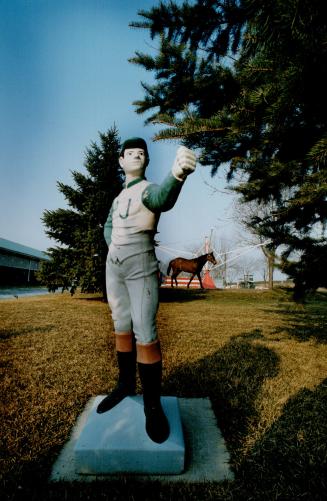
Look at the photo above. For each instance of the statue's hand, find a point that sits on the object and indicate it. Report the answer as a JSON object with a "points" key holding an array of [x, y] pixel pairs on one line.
{"points": [[184, 163]]}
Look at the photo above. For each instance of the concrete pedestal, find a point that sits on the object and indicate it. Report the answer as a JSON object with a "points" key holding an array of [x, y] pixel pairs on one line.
{"points": [[116, 441], [206, 456]]}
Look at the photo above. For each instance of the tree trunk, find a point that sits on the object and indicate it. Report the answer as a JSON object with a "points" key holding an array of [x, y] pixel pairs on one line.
{"points": [[270, 256], [271, 265]]}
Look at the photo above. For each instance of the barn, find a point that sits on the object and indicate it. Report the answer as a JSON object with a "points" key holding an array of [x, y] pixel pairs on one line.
{"points": [[19, 263]]}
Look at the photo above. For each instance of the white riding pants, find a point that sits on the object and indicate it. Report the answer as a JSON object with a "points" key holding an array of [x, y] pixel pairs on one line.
{"points": [[132, 290]]}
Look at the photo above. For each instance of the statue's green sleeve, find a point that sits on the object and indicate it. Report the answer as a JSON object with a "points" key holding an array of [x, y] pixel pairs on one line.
{"points": [[160, 198], [107, 229]]}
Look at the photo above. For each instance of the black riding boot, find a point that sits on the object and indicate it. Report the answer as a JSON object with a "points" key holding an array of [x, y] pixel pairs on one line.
{"points": [[126, 382], [156, 423]]}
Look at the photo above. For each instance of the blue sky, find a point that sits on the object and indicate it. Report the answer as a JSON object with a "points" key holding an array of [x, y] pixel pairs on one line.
{"points": [[65, 76]]}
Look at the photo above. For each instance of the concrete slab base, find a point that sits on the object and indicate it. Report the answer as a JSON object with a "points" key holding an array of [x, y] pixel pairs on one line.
{"points": [[116, 441], [206, 456]]}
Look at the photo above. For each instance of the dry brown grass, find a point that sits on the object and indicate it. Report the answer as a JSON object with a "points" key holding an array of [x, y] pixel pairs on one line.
{"points": [[261, 359]]}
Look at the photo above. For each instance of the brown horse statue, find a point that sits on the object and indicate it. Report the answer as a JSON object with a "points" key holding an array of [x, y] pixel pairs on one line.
{"points": [[193, 266]]}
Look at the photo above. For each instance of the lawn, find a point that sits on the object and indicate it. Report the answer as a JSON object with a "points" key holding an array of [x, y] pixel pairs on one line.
{"points": [[260, 357]]}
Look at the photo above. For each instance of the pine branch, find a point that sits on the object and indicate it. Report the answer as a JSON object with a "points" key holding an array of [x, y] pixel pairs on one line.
{"points": [[318, 153]]}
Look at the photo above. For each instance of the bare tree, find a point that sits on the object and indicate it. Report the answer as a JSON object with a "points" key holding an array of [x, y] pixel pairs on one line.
{"points": [[244, 215]]}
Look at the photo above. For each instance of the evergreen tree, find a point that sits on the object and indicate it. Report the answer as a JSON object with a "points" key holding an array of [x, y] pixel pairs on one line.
{"points": [[80, 259], [244, 81]]}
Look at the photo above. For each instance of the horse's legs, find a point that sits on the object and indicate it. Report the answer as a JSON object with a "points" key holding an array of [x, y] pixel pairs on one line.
{"points": [[191, 280], [174, 276], [199, 277]]}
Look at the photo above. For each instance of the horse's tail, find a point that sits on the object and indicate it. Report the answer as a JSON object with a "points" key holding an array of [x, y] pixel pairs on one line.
{"points": [[169, 268]]}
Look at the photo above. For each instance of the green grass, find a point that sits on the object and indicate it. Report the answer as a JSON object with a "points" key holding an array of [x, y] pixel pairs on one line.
{"points": [[260, 357]]}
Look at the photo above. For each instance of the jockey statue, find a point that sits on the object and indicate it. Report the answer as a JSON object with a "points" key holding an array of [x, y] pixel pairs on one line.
{"points": [[132, 277]]}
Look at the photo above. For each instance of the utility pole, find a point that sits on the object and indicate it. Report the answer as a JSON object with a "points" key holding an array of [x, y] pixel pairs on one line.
{"points": [[207, 248], [225, 270]]}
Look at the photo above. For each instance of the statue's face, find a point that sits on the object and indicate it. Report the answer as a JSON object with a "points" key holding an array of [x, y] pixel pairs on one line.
{"points": [[133, 161]]}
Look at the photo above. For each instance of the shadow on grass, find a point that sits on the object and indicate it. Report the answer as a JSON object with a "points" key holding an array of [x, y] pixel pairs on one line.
{"points": [[291, 457], [289, 462], [100, 299], [166, 295], [179, 295], [307, 321], [11, 333], [232, 378]]}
